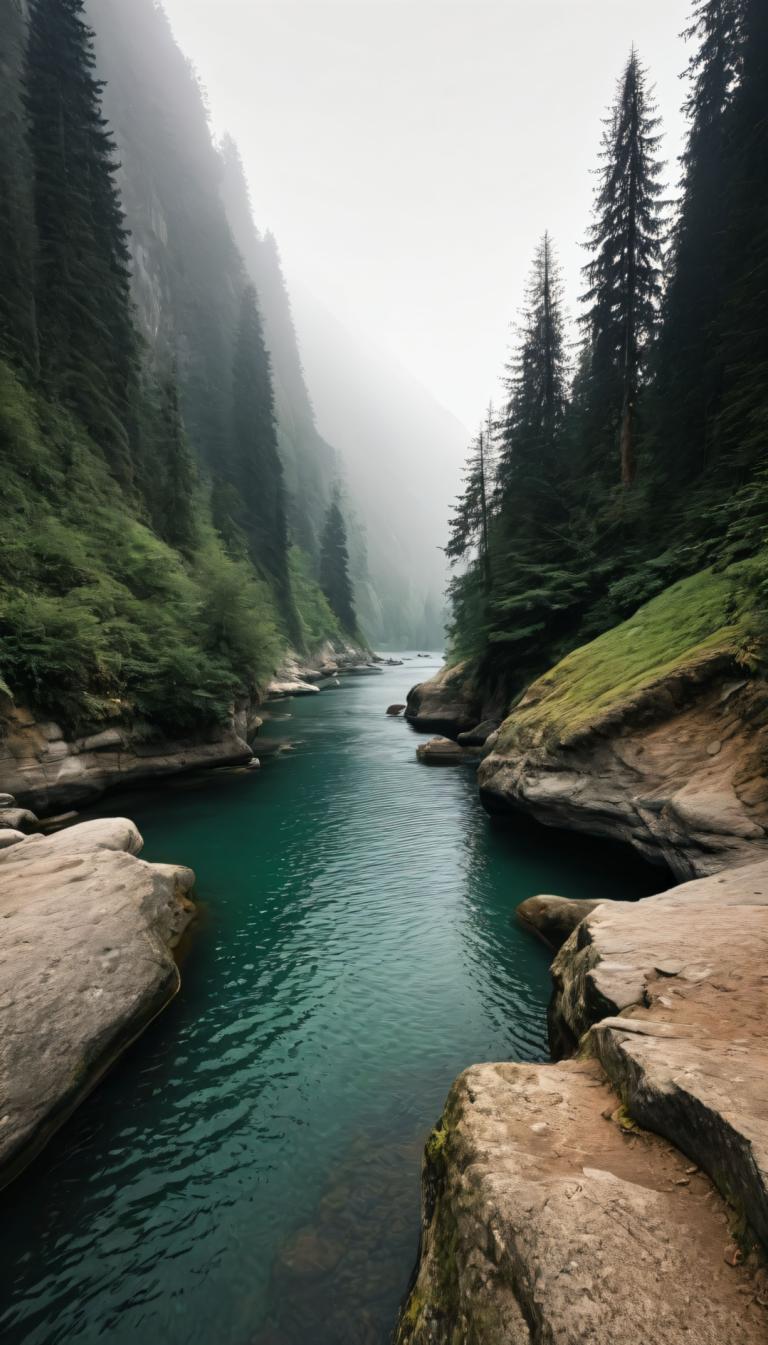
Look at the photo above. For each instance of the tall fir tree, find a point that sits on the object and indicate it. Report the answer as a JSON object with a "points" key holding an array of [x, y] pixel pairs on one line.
{"points": [[18, 328], [531, 437], [256, 471], [471, 518], [88, 345], [744, 331], [335, 578], [624, 273], [169, 475], [688, 362]]}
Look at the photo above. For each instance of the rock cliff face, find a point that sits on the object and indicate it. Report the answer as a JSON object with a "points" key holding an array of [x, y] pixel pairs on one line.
{"points": [[85, 964], [678, 769], [46, 770], [548, 1213]]}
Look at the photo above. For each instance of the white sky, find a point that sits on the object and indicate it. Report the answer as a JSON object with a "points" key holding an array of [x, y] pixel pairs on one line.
{"points": [[409, 153]]}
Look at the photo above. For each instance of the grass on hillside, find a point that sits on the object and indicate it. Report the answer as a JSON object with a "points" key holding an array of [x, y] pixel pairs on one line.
{"points": [[706, 614]]}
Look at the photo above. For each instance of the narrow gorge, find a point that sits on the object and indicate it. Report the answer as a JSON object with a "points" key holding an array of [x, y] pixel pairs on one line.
{"points": [[383, 806]]}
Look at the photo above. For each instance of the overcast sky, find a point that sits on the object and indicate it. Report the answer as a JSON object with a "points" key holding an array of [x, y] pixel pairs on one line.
{"points": [[409, 153]]}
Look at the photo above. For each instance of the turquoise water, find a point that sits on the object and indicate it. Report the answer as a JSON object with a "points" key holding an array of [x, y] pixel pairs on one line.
{"points": [[248, 1173]]}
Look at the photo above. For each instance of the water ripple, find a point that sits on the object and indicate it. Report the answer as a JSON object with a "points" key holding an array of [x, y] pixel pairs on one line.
{"points": [[249, 1173]]}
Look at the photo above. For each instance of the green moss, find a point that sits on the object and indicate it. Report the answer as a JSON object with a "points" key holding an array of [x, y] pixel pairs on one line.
{"points": [[435, 1144], [699, 617]]}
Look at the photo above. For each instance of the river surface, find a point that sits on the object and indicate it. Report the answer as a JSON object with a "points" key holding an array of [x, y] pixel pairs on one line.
{"points": [[248, 1173]]}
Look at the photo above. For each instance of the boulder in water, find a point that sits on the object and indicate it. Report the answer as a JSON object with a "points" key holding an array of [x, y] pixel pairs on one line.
{"points": [[395, 710], [85, 965], [554, 919], [440, 752]]}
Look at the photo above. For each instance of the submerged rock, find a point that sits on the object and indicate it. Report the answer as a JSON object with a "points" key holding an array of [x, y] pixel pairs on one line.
{"points": [[440, 752], [85, 964]]}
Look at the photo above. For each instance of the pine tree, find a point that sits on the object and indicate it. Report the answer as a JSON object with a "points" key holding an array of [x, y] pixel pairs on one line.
{"points": [[537, 393], [689, 377], [744, 328], [334, 567], [624, 274], [18, 329], [256, 468], [171, 477], [470, 523], [88, 343]]}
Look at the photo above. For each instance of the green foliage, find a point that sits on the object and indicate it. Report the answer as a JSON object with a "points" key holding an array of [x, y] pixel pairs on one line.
{"points": [[334, 568], [100, 617], [318, 621], [88, 345], [574, 552]]}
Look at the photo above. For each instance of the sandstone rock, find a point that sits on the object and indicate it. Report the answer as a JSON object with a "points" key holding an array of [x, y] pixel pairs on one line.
{"points": [[395, 709], [100, 742], [9, 837], [85, 964], [553, 919], [644, 774], [292, 689], [674, 990], [440, 752], [17, 819], [544, 1222], [7, 801], [47, 774], [479, 735], [448, 703]]}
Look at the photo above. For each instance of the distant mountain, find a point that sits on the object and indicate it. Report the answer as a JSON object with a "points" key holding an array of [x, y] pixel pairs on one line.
{"points": [[403, 455]]}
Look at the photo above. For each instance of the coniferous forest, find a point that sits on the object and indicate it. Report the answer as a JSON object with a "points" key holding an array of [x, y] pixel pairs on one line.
{"points": [[630, 449], [162, 517]]}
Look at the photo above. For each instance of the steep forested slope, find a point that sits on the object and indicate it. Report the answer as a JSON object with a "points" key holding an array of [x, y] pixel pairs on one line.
{"points": [[148, 562], [597, 487]]}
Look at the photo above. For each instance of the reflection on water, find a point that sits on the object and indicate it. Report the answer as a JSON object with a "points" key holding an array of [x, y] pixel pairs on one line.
{"points": [[249, 1172]]}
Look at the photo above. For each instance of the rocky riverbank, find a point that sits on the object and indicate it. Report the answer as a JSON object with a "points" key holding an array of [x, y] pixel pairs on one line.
{"points": [[48, 769], [622, 1193], [86, 962]]}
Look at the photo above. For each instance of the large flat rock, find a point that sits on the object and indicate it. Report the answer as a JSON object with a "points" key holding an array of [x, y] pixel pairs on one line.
{"points": [[673, 991], [86, 937], [545, 1223]]}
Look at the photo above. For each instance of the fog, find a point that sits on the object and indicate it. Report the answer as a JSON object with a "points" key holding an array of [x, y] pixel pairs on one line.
{"points": [[409, 153]]}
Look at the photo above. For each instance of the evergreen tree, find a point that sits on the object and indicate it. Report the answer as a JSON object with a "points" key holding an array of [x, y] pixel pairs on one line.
{"points": [[256, 471], [171, 476], [624, 276], [689, 378], [18, 330], [470, 523], [334, 567], [531, 439], [88, 344], [744, 330]]}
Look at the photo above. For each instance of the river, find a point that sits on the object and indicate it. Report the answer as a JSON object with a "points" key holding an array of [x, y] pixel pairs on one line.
{"points": [[248, 1173]]}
